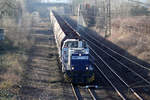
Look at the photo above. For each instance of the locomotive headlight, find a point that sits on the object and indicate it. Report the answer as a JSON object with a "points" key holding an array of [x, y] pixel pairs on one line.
{"points": [[87, 68], [72, 67]]}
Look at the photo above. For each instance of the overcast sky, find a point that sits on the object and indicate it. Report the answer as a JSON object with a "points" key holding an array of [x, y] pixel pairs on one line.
{"points": [[57, 1], [143, 0], [66, 1]]}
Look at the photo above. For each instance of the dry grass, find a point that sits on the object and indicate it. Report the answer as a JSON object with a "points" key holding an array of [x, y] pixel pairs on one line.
{"points": [[13, 53], [13, 60], [133, 35], [11, 75], [139, 24]]}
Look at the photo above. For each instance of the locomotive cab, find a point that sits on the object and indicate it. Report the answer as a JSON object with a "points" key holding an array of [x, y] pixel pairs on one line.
{"points": [[70, 51], [76, 60]]}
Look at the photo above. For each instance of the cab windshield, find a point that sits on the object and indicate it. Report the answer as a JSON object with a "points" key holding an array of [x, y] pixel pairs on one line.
{"points": [[72, 44], [76, 44]]}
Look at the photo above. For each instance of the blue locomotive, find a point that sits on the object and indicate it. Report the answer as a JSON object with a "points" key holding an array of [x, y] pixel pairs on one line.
{"points": [[73, 52]]}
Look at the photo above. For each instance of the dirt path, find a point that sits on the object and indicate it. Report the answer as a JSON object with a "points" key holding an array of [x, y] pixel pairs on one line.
{"points": [[42, 79]]}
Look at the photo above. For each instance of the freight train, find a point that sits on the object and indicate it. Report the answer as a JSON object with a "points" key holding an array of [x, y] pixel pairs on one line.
{"points": [[73, 52]]}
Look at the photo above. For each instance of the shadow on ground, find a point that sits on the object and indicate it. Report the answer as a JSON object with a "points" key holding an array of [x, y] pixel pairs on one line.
{"points": [[7, 45]]}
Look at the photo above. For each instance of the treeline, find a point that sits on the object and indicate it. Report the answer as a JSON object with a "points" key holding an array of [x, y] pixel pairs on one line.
{"points": [[31, 5], [36, 5], [121, 8], [126, 8], [95, 12], [10, 8]]}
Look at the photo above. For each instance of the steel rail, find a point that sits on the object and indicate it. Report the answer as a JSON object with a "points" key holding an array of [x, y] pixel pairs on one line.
{"points": [[117, 52], [139, 98], [76, 92], [120, 63], [111, 83], [92, 94]]}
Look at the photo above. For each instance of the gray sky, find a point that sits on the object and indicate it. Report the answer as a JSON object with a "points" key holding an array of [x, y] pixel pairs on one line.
{"points": [[56, 1], [143, 0], [66, 1]]}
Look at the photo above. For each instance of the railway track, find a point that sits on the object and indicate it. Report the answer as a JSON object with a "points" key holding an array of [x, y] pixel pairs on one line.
{"points": [[111, 60], [77, 94], [120, 86], [92, 93], [122, 65], [137, 71], [122, 70]]}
